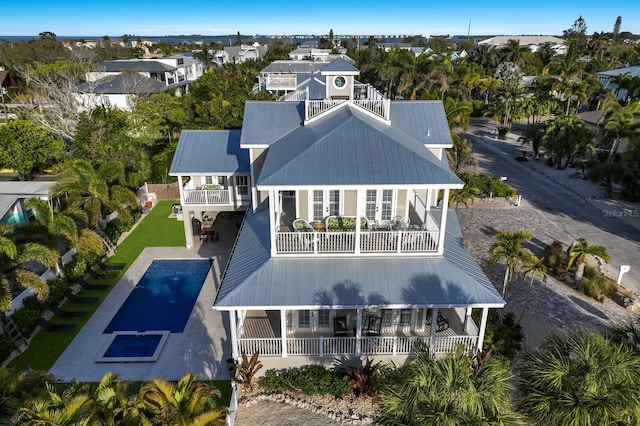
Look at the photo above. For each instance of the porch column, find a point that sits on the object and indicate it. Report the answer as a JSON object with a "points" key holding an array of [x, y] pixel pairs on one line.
{"points": [[434, 325], [358, 331], [443, 221], [181, 189], [234, 334], [272, 220], [358, 216], [428, 201], [483, 326], [467, 319], [188, 230], [283, 332]]}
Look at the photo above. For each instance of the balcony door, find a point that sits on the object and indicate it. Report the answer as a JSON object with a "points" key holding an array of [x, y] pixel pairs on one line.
{"points": [[379, 205], [323, 203]]}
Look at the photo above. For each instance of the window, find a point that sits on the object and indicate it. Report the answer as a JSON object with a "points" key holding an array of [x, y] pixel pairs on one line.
{"points": [[387, 317], [304, 319], [405, 318], [318, 205], [208, 180], [323, 318], [242, 185], [387, 199], [105, 101], [334, 203], [371, 204]]}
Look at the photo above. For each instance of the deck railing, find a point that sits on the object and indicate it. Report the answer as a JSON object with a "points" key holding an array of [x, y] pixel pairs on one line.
{"points": [[206, 196], [345, 242], [369, 345]]}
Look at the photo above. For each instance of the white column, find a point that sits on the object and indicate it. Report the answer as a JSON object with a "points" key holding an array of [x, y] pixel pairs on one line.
{"points": [[188, 229], [358, 216], [434, 325], [234, 334], [443, 221], [467, 319], [180, 188], [254, 190], [483, 327], [283, 332], [272, 220], [429, 200], [358, 331]]}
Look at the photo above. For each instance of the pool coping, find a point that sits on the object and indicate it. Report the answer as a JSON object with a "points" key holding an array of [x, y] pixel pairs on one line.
{"points": [[152, 358]]}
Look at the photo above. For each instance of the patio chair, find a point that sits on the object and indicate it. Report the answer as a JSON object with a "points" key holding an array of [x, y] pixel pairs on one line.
{"points": [[54, 327], [111, 266], [71, 297], [60, 313], [374, 324], [301, 225], [98, 276], [340, 326], [442, 323], [87, 286]]}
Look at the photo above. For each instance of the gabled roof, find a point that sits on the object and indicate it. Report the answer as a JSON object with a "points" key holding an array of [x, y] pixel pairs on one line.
{"points": [[255, 280], [632, 71], [293, 67], [209, 151], [11, 192], [339, 66], [135, 65], [265, 122], [424, 120], [350, 148], [123, 84]]}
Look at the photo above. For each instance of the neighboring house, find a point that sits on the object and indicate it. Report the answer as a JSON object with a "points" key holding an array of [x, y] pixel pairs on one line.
{"points": [[388, 46], [285, 76], [239, 54], [523, 40], [595, 121], [6, 80], [116, 84], [606, 77], [345, 249], [12, 197], [319, 55]]}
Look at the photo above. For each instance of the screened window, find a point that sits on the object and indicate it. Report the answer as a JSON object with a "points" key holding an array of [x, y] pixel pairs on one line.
{"points": [[304, 319]]}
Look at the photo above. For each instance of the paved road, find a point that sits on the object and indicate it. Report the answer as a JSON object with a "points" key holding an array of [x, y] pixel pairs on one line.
{"points": [[569, 216]]}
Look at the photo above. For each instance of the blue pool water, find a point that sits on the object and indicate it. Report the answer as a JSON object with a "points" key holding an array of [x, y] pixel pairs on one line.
{"points": [[163, 298], [133, 346]]}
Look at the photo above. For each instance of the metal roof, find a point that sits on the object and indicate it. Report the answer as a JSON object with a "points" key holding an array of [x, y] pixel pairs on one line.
{"points": [[11, 192], [265, 122], [340, 65], [292, 67], [348, 147], [123, 84], [135, 65], [256, 280], [632, 71], [209, 151], [424, 120]]}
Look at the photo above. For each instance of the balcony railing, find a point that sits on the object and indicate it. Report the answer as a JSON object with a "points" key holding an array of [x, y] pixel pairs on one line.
{"points": [[206, 196], [281, 82], [345, 242], [379, 107], [369, 345]]}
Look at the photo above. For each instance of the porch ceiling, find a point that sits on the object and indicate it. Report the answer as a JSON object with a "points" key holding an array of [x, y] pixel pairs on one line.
{"points": [[255, 280]]}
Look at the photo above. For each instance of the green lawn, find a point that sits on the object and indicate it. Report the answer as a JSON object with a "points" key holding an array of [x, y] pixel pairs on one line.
{"points": [[155, 230]]}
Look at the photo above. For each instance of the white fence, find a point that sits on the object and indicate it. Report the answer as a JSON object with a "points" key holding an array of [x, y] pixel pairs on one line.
{"points": [[206, 196]]}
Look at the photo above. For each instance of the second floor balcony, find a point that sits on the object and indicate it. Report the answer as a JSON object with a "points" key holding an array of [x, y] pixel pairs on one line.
{"points": [[207, 196]]}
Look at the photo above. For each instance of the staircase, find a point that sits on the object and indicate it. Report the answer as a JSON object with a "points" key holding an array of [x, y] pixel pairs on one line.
{"points": [[12, 330]]}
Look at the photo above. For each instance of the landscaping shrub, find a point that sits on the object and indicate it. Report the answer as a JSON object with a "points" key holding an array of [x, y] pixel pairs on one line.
{"points": [[76, 268], [310, 380], [503, 339], [33, 304], [488, 186], [115, 228], [6, 346], [596, 285], [25, 319], [57, 288]]}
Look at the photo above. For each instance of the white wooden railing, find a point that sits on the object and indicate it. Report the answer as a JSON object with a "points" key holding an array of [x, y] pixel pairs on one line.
{"points": [[281, 81], [369, 345], [206, 196], [381, 108], [345, 242], [313, 108]]}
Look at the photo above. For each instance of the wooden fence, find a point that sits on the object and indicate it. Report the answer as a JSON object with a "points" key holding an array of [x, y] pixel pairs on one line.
{"points": [[165, 191]]}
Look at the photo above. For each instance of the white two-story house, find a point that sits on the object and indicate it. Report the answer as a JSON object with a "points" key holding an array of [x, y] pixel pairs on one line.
{"points": [[346, 249]]}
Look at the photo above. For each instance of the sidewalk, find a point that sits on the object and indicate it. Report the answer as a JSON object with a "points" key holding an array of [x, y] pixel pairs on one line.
{"points": [[592, 192]]}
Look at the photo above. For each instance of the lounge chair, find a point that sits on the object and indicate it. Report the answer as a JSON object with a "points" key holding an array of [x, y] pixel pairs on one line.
{"points": [[87, 286], [111, 266], [54, 327], [301, 225], [442, 323], [340, 326], [67, 314], [99, 276], [374, 325], [80, 300]]}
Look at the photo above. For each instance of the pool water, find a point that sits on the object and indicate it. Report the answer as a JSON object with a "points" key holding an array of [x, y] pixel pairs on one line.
{"points": [[133, 346], [163, 298]]}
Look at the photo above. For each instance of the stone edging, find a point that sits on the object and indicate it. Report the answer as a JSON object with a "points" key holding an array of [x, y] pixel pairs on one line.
{"points": [[301, 402]]}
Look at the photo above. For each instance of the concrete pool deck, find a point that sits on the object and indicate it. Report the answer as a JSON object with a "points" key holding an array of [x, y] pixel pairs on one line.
{"points": [[201, 349]]}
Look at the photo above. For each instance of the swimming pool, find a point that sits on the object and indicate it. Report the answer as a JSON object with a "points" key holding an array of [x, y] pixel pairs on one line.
{"points": [[163, 298]]}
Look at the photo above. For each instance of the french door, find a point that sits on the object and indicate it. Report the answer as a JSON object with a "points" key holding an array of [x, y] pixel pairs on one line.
{"points": [[379, 205], [324, 203]]}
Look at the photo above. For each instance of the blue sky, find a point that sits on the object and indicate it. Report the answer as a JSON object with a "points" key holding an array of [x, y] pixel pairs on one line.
{"points": [[214, 17]]}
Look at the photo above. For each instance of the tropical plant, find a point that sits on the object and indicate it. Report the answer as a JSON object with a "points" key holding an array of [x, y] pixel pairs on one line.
{"points": [[580, 378], [309, 379], [509, 250], [362, 381], [626, 332], [13, 257], [533, 134], [453, 390], [620, 122], [465, 196], [96, 191], [247, 369], [567, 137], [113, 402], [187, 402], [578, 253], [534, 267], [18, 386], [70, 406]]}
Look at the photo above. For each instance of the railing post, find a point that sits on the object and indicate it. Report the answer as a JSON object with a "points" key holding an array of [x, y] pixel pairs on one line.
{"points": [[283, 331], [399, 242], [358, 331], [321, 348], [395, 345]]}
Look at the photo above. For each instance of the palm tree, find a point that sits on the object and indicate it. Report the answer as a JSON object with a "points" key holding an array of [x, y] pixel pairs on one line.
{"points": [[448, 391], [97, 192], [619, 123], [466, 196], [578, 253], [16, 387], [533, 267], [73, 406], [580, 378], [626, 332], [509, 250], [13, 257], [460, 155], [113, 405], [187, 402], [205, 57], [533, 134]]}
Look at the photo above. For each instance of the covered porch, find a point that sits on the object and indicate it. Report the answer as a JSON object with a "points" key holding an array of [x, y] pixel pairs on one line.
{"points": [[280, 333]]}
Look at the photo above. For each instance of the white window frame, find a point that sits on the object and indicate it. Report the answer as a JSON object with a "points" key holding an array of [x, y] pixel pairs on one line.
{"points": [[299, 319], [378, 202], [328, 314], [239, 185], [326, 203]]}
